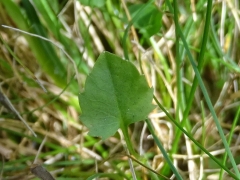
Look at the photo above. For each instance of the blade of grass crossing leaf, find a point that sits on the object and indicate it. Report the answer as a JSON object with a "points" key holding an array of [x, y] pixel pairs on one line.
{"points": [[165, 155], [235, 121]]}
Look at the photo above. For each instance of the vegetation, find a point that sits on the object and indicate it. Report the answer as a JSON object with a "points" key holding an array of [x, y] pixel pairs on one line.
{"points": [[178, 63]]}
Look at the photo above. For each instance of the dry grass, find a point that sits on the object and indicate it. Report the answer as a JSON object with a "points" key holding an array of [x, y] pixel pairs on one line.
{"points": [[68, 151]]}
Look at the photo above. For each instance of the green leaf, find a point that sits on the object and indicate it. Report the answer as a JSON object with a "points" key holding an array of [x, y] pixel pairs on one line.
{"points": [[93, 3], [150, 20], [115, 96]]}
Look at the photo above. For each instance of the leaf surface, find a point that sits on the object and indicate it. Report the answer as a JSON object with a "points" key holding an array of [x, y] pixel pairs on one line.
{"points": [[115, 96], [149, 21]]}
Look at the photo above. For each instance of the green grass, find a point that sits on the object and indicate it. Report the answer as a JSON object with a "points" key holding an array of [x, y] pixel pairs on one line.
{"points": [[48, 49]]}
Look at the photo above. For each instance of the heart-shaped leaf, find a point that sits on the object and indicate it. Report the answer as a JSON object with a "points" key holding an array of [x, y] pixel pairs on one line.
{"points": [[115, 96]]}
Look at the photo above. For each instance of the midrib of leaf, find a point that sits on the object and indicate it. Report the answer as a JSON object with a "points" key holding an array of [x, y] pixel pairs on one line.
{"points": [[123, 126]]}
